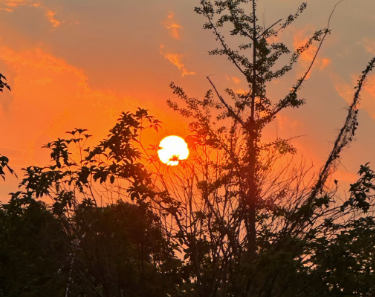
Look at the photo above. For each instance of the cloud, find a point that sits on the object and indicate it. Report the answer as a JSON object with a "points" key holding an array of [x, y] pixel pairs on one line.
{"points": [[369, 45], [346, 90], [299, 39], [38, 59], [235, 79], [369, 84], [15, 3], [50, 97], [285, 123], [242, 91], [176, 59], [10, 5], [173, 28], [369, 96], [51, 18]]}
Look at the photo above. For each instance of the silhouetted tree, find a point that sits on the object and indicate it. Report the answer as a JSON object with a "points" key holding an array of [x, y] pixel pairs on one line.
{"points": [[4, 164], [3, 159], [249, 220], [3, 83], [33, 249], [94, 244], [238, 218]]}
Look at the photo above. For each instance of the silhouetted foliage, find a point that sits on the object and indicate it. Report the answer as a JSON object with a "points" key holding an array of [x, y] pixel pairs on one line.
{"points": [[3, 159], [4, 164], [3, 83], [33, 249], [122, 252], [75, 247], [249, 219], [237, 219]]}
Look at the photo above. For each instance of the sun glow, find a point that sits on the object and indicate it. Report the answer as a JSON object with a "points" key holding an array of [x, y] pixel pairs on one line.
{"points": [[172, 150]]}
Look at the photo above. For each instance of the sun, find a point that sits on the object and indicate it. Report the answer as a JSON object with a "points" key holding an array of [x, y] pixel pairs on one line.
{"points": [[172, 150]]}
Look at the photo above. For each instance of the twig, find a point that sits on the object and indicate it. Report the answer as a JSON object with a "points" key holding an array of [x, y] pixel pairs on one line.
{"points": [[269, 28], [230, 110]]}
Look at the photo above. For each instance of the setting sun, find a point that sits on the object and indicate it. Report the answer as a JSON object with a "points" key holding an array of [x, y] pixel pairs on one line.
{"points": [[172, 149]]}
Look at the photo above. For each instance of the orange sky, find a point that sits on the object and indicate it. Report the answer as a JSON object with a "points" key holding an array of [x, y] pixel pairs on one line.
{"points": [[79, 63]]}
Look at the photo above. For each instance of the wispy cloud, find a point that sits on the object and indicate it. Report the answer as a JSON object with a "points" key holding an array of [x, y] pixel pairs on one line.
{"points": [[369, 45], [346, 90], [235, 79], [37, 59], [51, 96], [299, 39], [15, 3], [369, 98], [172, 26], [174, 30], [10, 5], [51, 18], [286, 123], [176, 59]]}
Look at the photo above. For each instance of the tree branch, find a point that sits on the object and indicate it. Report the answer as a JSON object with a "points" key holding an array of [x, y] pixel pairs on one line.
{"points": [[301, 80], [346, 134], [226, 48], [230, 110], [269, 28]]}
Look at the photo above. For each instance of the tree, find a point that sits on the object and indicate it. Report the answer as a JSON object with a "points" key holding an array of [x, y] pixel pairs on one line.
{"points": [[3, 83], [33, 249], [227, 222], [247, 229], [122, 252], [4, 164], [76, 248], [3, 159], [87, 243]]}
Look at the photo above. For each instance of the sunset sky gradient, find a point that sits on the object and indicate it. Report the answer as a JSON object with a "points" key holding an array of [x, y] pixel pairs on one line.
{"points": [[80, 63]]}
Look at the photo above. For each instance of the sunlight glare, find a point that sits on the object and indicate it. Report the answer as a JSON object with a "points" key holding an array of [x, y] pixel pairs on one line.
{"points": [[172, 149]]}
